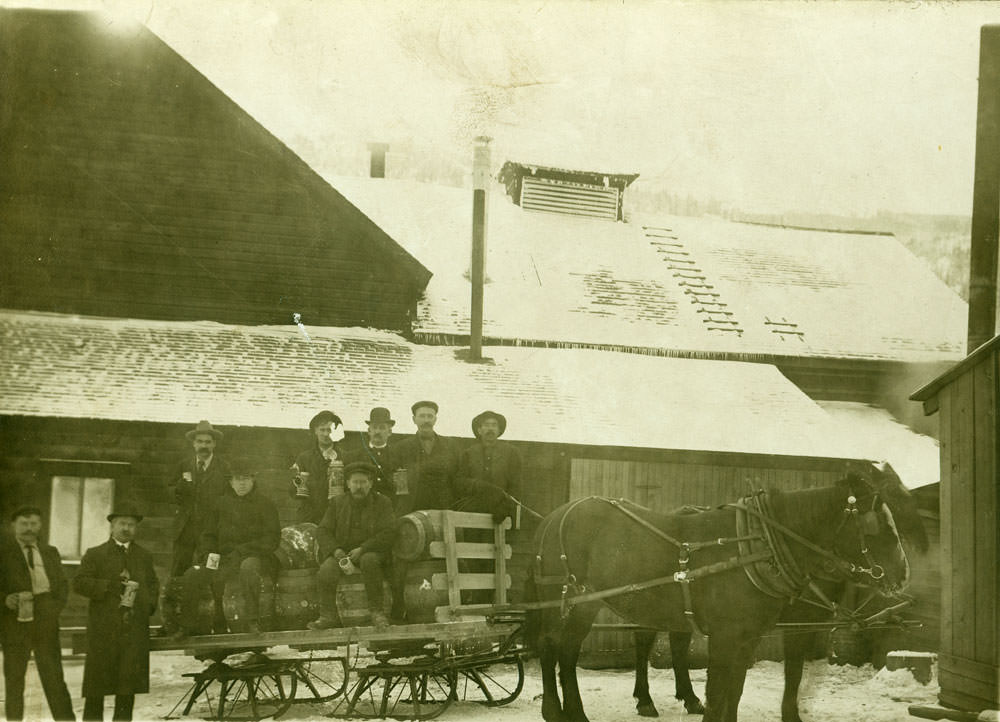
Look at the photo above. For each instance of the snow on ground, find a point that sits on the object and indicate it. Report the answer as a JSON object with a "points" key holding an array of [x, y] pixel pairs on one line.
{"points": [[829, 694]]}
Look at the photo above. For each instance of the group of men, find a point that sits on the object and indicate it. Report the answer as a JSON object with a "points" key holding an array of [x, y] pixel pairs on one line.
{"points": [[226, 529], [118, 579]]}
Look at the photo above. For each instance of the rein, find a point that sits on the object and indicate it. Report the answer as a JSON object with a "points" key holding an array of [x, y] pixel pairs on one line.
{"points": [[776, 553]]}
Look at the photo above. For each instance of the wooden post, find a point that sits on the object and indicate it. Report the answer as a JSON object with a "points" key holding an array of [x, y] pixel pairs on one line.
{"points": [[477, 270]]}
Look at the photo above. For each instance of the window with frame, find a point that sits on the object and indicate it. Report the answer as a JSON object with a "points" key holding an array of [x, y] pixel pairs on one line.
{"points": [[82, 494]]}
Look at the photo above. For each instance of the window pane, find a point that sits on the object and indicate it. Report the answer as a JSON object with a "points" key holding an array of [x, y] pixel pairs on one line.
{"points": [[64, 521], [98, 495]]}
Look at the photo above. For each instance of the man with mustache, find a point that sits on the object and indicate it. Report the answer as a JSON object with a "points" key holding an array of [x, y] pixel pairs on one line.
{"points": [[119, 580], [430, 462], [31, 575], [489, 470], [320, 467], [376, 450], [358, 526], [198, 481]]}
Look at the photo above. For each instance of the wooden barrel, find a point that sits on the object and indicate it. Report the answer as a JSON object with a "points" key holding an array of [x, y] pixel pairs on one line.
{"points": [[420, 597], [196, 621], [289, 604], [414, 533], [352, 601]]}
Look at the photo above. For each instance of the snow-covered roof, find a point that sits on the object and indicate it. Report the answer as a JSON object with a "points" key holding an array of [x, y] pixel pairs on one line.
{"points": [[684, 286], [875, 434], [66, 366]]}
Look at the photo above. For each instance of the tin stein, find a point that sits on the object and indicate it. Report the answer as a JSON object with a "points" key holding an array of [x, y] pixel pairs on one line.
{"points": [[128, 594], [301, 482], [187, 477], [25, 607], [347, 566], [335, 474], [212, 562], [400, 481]]}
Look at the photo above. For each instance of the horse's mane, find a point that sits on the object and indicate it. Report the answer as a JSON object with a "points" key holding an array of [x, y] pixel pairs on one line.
{"points": [[808, 506], [902, 504]]}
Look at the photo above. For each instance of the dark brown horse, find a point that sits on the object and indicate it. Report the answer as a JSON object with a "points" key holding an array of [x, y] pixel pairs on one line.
{"points": [[723, 570], [797, 643]]}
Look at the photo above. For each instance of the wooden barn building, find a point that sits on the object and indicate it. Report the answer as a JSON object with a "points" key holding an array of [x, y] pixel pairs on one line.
{"points": [[157, 242]]}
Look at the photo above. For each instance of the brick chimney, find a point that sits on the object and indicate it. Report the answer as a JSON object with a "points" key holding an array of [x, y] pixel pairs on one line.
{"points": [[378, 151]]}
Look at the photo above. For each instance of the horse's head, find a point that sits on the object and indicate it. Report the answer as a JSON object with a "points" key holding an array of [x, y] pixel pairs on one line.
{"points": [[867, 538]]}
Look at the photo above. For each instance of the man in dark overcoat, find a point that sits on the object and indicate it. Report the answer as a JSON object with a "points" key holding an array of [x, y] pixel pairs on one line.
{"points": [[376, 450], [319, 469], [489, 470], [244, 531], [198, 480], [360, 527], [431, 463], [118, 579], [32, 570]]}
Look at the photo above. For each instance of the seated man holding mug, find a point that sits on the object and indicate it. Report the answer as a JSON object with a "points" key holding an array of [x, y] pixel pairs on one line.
{"points": [[356, 534]]}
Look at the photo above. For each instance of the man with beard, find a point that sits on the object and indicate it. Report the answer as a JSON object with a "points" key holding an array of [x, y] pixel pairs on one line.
{"points": [[34, 591], [489, 471], [358, 526], [320, 467], [242, 533], [119, 580], [375, 451], [198, 481], [430, 462]]}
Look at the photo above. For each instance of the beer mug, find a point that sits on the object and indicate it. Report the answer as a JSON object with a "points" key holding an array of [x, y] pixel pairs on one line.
{"points": [[347, 566], [301, 482], [212, 562], [187, 477], [400, 481], [25, 607], [335, 474], [128, 594]]}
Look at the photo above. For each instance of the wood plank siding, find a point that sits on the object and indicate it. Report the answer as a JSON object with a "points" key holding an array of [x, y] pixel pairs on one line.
{"points": [[134, 187]]}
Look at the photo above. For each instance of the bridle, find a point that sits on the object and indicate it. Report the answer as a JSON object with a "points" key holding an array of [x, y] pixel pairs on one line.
{"points": [[866, 524]]}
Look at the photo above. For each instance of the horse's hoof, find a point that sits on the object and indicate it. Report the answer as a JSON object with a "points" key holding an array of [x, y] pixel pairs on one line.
{"points": [[646, 710], [694, 706]]}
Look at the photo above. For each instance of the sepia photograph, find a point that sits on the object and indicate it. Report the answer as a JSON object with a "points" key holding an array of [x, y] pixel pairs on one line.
{"points": [[501, 360]]}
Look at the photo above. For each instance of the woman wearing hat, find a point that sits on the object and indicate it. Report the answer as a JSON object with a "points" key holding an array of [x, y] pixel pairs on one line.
{"points": [[320, 467], [118, 578]]}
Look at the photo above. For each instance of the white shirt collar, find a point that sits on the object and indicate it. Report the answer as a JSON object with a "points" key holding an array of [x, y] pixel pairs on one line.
{"points": [[207, 462]]}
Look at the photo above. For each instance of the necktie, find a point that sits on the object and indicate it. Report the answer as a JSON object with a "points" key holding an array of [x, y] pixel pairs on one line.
{"points": [[201, 466], [31, 557]]}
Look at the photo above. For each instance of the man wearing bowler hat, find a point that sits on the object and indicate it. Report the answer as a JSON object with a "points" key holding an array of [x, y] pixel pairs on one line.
{"points": [[118, 579], [376, 450], [197, 482], [34, 591], [430, 462], [355, 536], [319, 469], [489, 470]]}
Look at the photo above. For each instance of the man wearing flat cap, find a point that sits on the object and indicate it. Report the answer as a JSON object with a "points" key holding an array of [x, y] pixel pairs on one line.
{"points": [[430, 462], [33, 589], [356, 533], [320, 468], [118, 579], [489, 470], [376, 450], [197, 482]]}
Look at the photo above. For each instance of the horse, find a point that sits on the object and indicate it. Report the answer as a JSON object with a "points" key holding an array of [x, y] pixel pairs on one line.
{"points": [[728, 571], [796, 643]]}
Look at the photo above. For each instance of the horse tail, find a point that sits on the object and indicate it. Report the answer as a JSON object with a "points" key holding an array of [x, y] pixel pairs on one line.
{"points": [[531, 631]]}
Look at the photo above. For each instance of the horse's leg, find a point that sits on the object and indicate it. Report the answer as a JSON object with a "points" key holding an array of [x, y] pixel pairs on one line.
{"points": [[575, 628], [742, 661], [796, 646], [723, 660], [644, 639], [548, 655], [680, 649]]}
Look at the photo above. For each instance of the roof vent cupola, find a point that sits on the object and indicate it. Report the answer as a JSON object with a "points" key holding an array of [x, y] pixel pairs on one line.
{"points": [[589, 194]]}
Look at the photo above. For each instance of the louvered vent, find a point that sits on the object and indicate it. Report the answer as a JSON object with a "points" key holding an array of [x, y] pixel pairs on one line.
{"points": [[574, 199]]}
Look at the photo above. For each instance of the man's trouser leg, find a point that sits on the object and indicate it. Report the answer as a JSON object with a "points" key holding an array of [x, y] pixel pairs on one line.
{"points": [[327, 579], [371, 572], [93, 708], [251, 576], [183, 554], [16, 651], [48, 659], [193, 585], [397, 577], [123, 707]]}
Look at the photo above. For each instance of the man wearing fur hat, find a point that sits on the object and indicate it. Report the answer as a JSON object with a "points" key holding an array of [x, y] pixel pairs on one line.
{"points": [[118, 579], [355, 534], [320, 468], [430, 462], [198, 481], [489, 471], [375, 450]]}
